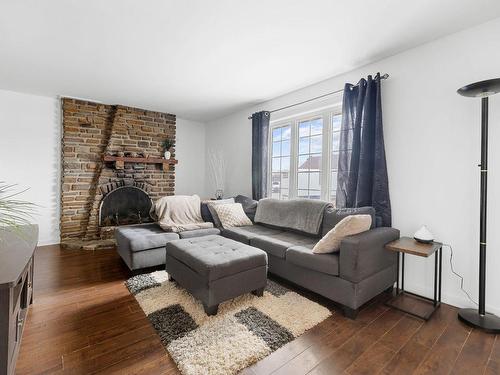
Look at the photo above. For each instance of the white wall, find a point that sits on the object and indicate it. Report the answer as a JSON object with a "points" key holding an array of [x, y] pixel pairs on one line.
{"points": [[432, 138], [190, 151], [30, 153]]}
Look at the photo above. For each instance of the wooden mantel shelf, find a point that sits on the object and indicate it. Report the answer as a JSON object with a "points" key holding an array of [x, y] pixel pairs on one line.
{"points": [[119, 161]]}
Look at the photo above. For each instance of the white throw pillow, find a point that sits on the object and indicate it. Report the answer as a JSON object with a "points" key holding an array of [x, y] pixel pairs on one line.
{"points": [[212, 203], [352, 224], [232, 215]]}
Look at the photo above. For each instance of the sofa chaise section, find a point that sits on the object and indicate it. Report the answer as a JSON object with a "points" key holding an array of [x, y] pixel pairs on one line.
{"points": [[143, 245]]}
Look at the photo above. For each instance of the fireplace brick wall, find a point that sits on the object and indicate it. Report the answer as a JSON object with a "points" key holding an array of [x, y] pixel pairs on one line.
{"points": [[91, 130]]}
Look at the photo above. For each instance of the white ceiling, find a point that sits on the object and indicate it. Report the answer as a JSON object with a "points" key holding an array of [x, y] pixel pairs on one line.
{"points": [[203, 59]]}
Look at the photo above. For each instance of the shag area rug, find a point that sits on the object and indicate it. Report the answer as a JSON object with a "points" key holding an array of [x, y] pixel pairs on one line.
{"points": [[245, 330]]}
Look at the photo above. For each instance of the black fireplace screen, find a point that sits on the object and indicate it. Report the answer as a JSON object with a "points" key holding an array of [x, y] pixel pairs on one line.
{"points": [[125, 205]]}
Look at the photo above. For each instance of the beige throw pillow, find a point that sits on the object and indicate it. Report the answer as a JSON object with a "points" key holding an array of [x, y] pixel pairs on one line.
{"points": [[232, 215], [352, 224], [213, 212]]}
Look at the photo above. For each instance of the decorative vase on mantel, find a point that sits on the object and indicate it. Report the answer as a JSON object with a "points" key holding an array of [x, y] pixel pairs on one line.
{"points": [[167, 155]]}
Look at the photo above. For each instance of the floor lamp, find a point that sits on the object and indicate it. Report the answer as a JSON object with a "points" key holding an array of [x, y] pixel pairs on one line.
{"points": [[478, 317]]}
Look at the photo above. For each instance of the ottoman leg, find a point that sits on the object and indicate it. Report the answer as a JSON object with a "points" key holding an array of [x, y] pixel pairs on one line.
{"points": [[211, 310], [258, 292]]}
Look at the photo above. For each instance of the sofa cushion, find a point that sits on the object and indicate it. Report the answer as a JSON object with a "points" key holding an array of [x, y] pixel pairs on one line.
{"points": [[143, 237], [205, 212], [303, 256], [277, 244], [199, 232], [332, 216], [215, 257], [245, 234]]}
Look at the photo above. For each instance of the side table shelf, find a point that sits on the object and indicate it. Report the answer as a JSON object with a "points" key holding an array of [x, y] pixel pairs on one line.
{"points": [[411, 303]]}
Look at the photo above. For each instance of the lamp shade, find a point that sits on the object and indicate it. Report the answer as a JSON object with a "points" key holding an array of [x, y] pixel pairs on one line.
{"points": [[481, 89]]}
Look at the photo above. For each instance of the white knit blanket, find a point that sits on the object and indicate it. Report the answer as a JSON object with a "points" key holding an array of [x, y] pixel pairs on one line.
{"points": [[179, 213]]}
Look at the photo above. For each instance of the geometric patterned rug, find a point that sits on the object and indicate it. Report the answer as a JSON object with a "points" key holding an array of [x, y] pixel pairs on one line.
{"points": [[245, 329]]}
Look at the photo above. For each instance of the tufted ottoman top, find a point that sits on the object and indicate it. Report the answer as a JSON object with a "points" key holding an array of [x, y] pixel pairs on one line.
{"points": [[215, 256]]}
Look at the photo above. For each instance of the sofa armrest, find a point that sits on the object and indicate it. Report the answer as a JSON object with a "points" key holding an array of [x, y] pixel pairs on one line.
{"points": [[363, 254]]}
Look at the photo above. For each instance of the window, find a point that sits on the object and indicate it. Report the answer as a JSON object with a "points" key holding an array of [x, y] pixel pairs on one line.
{"points": [[280, 150], [304, 156], [309, 158], [334, 164]]}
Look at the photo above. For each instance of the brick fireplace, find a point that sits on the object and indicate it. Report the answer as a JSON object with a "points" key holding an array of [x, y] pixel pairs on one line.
{"points": [[106, 147]]}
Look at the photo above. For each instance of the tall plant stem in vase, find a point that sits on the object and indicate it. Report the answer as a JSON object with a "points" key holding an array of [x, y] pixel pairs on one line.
{"points": [[217, 170]]}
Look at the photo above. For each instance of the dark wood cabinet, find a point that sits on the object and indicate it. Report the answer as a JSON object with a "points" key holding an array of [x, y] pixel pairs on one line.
{"points": [[16, 290]]}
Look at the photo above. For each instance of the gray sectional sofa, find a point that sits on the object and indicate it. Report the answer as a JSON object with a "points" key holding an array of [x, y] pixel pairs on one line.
{"points": [[361, 269]]}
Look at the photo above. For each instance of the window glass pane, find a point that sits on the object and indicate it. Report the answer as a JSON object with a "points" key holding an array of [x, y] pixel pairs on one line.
{"points": [[317, 126], [285, 163], [303, 193], [335, 160], [285, 180], [303, 163], [303, 180], [314, 194], [284, 194], [304, 145], [313, 162], [276, 148], [276, 182], [314, 181], [276, 165], [335, 141], [336, 122], [286, 132], [285, 148], [304, 129], [334, 182], [316, 143], [277, 134], [275, 195]]}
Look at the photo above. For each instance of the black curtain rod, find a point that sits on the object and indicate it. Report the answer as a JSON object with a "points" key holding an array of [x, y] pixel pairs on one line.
{"points": [[385, 76]]}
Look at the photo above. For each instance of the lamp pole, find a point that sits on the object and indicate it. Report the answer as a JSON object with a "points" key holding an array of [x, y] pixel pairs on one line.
{"points": [[480, 318]]}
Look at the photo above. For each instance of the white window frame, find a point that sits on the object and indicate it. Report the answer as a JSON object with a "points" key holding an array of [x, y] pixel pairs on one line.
{"points": [[327, 113]]}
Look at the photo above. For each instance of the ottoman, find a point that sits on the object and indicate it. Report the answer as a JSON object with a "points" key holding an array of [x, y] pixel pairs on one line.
{"points": [[215, 269]]}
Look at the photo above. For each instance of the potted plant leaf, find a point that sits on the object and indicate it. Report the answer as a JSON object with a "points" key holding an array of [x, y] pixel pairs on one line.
{"points": [[167, 145], [15, 214]]}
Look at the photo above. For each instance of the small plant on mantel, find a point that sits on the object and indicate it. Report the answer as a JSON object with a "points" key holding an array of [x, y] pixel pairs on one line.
{"points": [[167, 145]]}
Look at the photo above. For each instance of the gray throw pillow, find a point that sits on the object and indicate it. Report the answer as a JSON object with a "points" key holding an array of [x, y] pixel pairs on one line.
{"points": [[213, 212], [249, 205]]}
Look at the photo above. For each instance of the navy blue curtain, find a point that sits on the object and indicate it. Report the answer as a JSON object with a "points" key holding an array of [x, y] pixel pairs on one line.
{"points": [[362, 169], [260, 136]]}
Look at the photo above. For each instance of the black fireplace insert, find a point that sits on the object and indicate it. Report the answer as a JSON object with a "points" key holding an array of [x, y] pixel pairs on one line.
{"points": [[125, 205]]}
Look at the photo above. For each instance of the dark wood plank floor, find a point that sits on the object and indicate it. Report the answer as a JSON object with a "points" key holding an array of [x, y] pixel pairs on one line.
{"points": [[84, 321]]}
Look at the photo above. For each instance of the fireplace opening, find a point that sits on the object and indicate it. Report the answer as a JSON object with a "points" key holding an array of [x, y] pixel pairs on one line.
{"points": [[125, 205]]}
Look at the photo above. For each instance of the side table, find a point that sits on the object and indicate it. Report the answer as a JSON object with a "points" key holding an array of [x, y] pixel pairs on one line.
{"points": [[411, 303]]}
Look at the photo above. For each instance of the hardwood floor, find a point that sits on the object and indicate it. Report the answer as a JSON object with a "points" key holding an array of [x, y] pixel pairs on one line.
{"points": [[84, 321]]}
